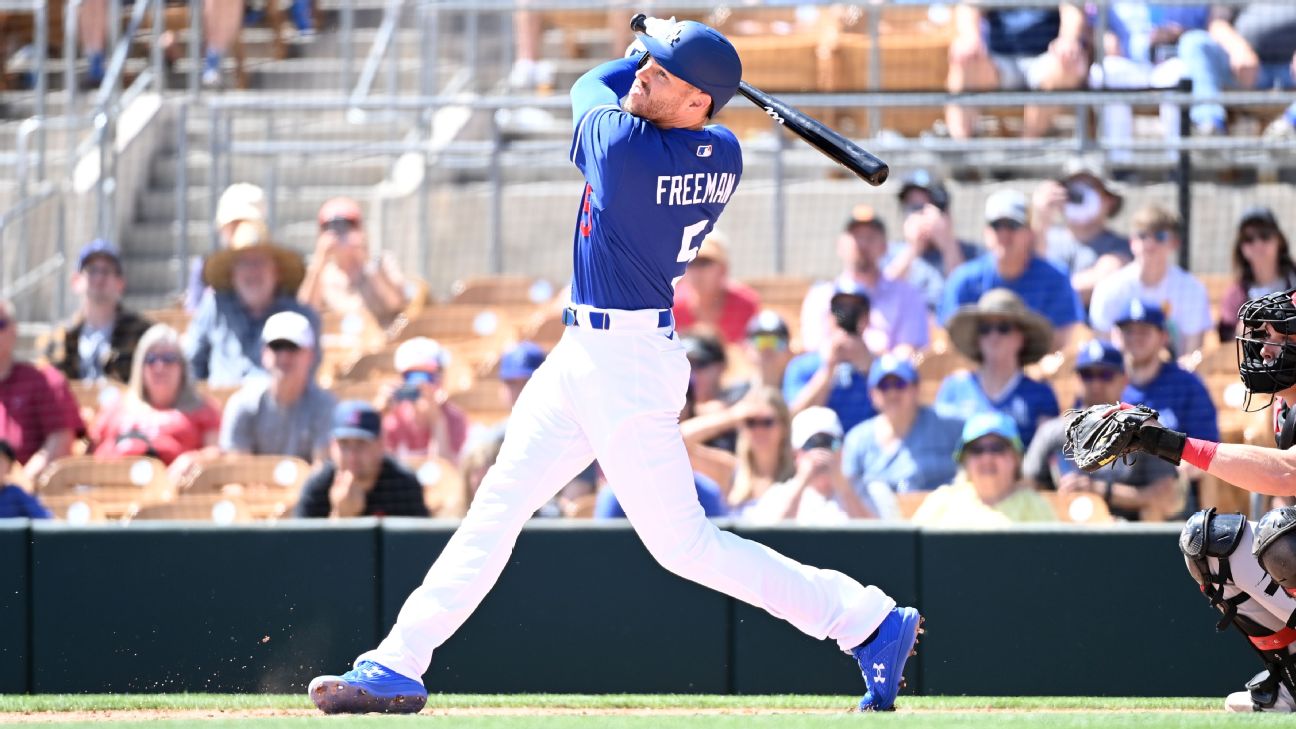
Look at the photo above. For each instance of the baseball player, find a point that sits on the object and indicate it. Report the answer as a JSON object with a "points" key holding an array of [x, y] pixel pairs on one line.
{"points": [[657, 178], [1247, 570]]}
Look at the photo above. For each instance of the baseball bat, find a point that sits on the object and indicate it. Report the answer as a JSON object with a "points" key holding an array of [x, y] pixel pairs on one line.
{"points": [[832, 144]]}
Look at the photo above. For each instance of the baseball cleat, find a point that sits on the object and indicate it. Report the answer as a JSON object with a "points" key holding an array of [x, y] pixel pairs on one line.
{"points": [[369, 687], [882, 658]]}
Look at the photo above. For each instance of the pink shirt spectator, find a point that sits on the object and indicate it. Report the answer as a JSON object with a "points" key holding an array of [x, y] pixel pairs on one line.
{"points": [[34, 403], [897, 315], [403, 434], [167, 433], [741, 303]]}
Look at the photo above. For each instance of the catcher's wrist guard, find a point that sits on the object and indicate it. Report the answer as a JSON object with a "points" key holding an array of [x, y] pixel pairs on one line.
{"points": [[1160, 441]]}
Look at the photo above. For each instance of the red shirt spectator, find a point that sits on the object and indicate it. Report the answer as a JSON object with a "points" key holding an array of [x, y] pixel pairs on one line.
{"points": [[417, 419], [406, 433], [123, 430], [706, 295], [35, 402]]}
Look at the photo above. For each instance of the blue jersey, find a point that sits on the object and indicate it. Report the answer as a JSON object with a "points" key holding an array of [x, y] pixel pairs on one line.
{"points": [[651, 195], [1028, 402], [1181, 399]]}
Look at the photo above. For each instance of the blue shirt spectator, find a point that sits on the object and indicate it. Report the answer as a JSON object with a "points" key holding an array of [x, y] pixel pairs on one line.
{"points": [[1182, 400], [1027, 401], [849, 393], [18, 504], [223, 342], [920, 461], [606, 505]]}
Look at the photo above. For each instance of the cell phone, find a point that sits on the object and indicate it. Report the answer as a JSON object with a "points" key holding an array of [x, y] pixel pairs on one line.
{"points": [[847, 313], [340, 227], [406, 393], [827, 441]]}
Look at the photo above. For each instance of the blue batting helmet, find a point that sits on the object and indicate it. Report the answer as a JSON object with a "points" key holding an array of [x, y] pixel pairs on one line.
{"points": [[700, 55]]}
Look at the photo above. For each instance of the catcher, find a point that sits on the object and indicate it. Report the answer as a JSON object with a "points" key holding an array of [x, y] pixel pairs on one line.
{"points": [[1246, 569]]}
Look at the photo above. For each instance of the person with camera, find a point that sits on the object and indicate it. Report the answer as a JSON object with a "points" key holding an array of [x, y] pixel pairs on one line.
{"points": [[835, 375], [892, 323], [817, 493], [343, 276], [418, 419], [928, 250], [1083, 245]]}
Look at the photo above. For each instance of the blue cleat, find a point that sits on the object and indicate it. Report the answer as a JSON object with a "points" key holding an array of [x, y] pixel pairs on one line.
{"points": [[369, 687], [882, 658]]}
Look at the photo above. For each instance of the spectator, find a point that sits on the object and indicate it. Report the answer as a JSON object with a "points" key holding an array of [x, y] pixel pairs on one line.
{"points": [[835, 375], [344, 276], [1084, 246], [1010, 262], [251, 280], [763, 451], [707, 361], [709, 494], [222, 21], [893, 323], [768, 351], [161, 414], [15, 502], [1262, 263], [1139, 488], [40, 415], [1248, 47], [418, 418], [285, 413], [707, 296], [988, 491], [1269, 28], [906, 446], [241, 201], [1019, 48], [359, 479], [1002, 336], [477, 458], [929, 251], [818, 493], [100, 340], [1155, 278], [1178, 395]]}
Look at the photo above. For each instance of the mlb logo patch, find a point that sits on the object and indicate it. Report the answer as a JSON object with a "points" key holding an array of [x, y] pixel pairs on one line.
{"points": [[704, 150]]}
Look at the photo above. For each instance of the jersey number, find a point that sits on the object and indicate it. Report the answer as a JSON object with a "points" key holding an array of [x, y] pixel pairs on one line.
{"points": [[688, 249]]}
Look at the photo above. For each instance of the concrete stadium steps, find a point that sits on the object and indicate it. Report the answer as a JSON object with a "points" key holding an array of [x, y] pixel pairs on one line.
{"points": [[158, 205]]}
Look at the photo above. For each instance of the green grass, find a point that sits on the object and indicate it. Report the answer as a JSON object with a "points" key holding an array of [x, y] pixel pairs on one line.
{"points": [[582, 712]]}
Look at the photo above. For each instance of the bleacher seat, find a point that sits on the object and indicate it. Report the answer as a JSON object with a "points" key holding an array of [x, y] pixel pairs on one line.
{"points": [[114, 486]]}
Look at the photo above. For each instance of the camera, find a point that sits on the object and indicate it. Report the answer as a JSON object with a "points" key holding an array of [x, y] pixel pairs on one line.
{"points": [[847, 312], [827, 441], [340, 227], [1074, 195], [405, 393]]}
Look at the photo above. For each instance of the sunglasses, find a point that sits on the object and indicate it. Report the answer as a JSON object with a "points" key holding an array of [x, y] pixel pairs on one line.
{"points": [[994, 448], [166, 358], [889, 383], [760, 422], [1097, 375], [769, 342], [1160, 236], [999, 327], [1009, 226], [420, 377], [1267, 236]]}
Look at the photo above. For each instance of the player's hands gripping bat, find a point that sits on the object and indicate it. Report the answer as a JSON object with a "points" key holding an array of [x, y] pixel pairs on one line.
{"points": [[831, 143], [1099, 434]]}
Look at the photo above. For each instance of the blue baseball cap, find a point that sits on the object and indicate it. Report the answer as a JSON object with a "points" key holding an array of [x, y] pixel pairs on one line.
{"points": [[1142, 311], [520, 362], [989, 422], [98, 247], [888, 365], [1097, 353], [700, 55], [356, 419]]}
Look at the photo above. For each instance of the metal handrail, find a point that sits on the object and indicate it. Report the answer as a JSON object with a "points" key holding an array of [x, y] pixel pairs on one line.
{"points": [[378, 51]]}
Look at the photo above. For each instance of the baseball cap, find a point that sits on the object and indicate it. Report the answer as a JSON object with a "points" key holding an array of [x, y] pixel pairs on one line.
{"points": [[240, 201], [700, 55], [98, 247], [1097, 353], [813, 421], [1006, 205], [421, 353], [520, 362], [923, 180], [340, 208], [888, 365], [1142, 311], [865, 215], [767, 321], [989, 422], [1257, 215], [289, 326], [356, 419], [703, 351]]}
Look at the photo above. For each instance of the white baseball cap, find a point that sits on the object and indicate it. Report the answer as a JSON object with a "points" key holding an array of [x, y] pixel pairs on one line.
{"points": [[240, 201], [813, 421], [421, 353], [289, 326]]}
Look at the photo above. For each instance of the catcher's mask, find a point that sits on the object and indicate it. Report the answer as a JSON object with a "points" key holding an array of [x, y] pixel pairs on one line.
{"points": [[1263, 376], [1275, 546]]}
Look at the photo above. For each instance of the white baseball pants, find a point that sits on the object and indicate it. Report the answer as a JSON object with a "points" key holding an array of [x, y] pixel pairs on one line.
{"points": [[615, 395]]}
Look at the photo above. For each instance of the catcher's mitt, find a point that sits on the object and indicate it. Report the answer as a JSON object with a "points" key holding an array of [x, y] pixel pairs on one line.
{"points": [[1099, 434]]}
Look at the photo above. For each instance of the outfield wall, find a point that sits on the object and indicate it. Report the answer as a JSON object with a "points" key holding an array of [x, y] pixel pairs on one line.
{"points": [[583, 608]]}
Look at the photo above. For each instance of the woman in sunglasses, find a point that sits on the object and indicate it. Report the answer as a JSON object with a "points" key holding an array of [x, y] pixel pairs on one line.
{"points": [[160, 414], [763, 453], [818, 493], [1001, 336], [988, 491], [1262, 264]]}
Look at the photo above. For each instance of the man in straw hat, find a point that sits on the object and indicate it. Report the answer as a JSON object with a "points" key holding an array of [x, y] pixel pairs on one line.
{"points": [[1001, 336], [1010, 262], [251, 280]]}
